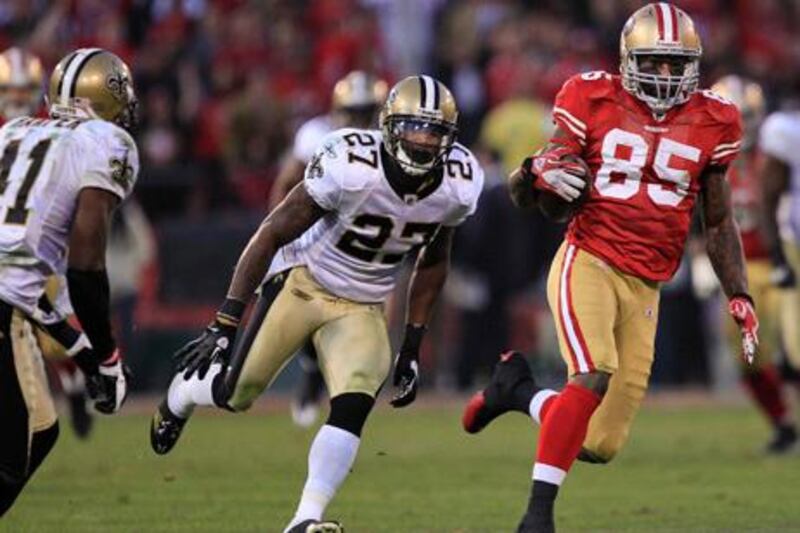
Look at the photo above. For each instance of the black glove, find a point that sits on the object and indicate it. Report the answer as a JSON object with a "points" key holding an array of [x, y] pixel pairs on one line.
{"points": [[782, 275], [406, 366], [108, 387], [216, 342]]}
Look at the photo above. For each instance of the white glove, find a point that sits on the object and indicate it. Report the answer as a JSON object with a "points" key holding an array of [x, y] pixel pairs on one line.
{"points": [[109, 386]]}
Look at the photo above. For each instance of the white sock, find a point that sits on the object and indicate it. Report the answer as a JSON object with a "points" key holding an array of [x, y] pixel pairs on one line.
{"points": [[329, 461], [184, 394], [537, 402]]}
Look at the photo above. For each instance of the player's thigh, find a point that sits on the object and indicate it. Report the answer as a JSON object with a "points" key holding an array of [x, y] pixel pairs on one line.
{"points": [[610, 425], [354, 352], [583, 302], [790, 310], [25, 403], [288, 321]]}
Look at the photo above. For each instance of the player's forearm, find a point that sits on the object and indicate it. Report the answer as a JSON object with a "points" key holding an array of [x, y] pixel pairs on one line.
{"points": [[426, 285], [90, 297], [254, 263], [724, 248], [521, 189]]}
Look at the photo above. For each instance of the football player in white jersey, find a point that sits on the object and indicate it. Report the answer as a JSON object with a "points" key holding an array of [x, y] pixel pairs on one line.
{"points": [[333, 249], [355, 103], [60, 179], [779, 140], [21, 92]]}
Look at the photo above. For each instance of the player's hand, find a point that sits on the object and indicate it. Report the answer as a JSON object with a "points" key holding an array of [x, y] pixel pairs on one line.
{"points": [[216, 342], [782, 276], [551, 174], [108, 387], [743, 312], [406, 367]]}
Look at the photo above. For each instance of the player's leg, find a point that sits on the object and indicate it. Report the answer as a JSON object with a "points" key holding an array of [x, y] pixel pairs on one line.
{"points": [[635, 339], [285, 316], [73, 385], [26, 408], [790, 310], [306, 403], [761, 379], [355, 357], [582, 296]]}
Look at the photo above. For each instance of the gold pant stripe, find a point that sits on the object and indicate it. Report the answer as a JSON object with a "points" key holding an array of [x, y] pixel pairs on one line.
{"points": [[31, 375]]}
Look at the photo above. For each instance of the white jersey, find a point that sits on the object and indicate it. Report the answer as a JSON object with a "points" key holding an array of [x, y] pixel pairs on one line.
{"points": [[44, 164], [356, 250], [309, 137], [780, 138]]}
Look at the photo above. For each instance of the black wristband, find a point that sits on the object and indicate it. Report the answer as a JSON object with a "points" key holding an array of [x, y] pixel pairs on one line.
{"points": [[230, 312], [413, 338], [89, 294]]}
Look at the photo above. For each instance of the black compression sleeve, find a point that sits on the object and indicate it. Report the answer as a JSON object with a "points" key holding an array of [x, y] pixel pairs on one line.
{"points": [[89, 293]]}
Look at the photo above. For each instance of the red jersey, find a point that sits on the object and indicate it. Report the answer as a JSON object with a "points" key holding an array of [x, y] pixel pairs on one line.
{"points": [[746, 199], [646, 172]]}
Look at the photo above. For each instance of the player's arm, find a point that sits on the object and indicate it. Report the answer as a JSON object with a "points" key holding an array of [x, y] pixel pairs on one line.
{"points": [[291, 173], [298, 212], [724, 248], [89, 292], [548, 171], [427, 280], [775, 175]]}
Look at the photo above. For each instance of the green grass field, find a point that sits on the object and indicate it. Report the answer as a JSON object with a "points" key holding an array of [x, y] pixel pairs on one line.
{"points": [[688, 469]]}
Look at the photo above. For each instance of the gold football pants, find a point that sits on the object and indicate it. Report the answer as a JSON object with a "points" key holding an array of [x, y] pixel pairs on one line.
{"points": [[351, 340], [606, 321], [790, 309]]}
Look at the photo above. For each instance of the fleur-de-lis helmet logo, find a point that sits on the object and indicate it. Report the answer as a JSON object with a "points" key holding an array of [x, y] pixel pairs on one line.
{"points": [[117, 83]]}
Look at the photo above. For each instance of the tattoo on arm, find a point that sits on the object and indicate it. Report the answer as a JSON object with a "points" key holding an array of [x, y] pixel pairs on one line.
{"points": [[292, 217], [723, 242], [430, 274]]}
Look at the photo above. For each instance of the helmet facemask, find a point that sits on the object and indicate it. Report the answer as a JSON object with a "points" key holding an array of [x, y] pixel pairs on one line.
{"points": [[17, 101], [418, 145], [641, 76]]}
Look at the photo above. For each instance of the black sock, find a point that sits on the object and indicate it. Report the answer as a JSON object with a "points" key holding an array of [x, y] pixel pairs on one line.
{"points": [[523, 394], [539, 516]]}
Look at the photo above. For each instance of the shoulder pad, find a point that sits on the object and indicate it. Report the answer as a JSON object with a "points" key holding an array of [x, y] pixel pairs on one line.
{"points": [[717, 107], [464, 175]]}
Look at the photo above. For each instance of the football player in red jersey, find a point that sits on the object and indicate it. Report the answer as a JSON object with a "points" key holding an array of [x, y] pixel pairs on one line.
{"points": [[761, 379], [656, 145]]}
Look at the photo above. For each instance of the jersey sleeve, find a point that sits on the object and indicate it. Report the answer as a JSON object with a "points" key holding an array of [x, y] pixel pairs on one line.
{"points": [[469, 192], [729, 141], [776, 140], [323, 177], [111, 162], [571, 112]]}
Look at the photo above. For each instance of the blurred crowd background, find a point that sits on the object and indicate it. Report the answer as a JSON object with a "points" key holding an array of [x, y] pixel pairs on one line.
{"points": [[224, 84]]}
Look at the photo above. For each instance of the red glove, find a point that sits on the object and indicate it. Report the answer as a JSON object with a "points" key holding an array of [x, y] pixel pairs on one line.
{"points": [[550, 173], [743, 312]]}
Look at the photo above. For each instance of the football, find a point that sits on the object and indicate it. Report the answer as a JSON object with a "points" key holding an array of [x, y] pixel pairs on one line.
{"points": [[555, 208]]}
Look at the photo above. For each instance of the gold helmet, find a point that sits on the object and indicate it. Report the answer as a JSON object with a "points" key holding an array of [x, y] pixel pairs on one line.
{"points": [[21, 83], [419, 123], [93, 83], [357, 98], [660, 31], [748, 96]]}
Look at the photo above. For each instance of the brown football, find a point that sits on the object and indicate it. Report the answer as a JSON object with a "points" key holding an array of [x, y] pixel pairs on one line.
{"points": [[556, 208]]}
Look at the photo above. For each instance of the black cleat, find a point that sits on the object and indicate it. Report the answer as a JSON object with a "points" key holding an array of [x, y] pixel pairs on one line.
{"points": [[536, 524], [784, 441], [306, 405], [79, 417], [165, 429], [510, 389], [315, 526]]}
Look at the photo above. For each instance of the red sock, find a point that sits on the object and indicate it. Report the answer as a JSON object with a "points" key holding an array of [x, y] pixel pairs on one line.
{"points": [[765, 387], [565, 422]]}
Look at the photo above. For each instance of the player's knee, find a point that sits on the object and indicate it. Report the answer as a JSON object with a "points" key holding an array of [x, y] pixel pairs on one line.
{"points": [[588, 456], [596, 381], [349, 411]]}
